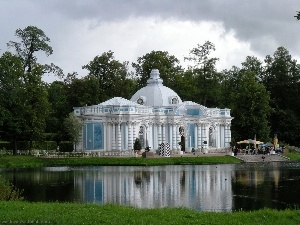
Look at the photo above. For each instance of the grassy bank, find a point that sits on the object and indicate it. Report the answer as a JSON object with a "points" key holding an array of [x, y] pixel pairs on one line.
{"points": [[29, 161], [71, 213], [293, 156]]}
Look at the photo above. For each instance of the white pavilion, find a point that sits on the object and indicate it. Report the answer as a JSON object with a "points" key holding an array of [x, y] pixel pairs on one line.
{"points": [[155, 114]]}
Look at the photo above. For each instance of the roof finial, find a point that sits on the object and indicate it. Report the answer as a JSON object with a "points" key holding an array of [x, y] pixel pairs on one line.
{"points": [[154, 78]]}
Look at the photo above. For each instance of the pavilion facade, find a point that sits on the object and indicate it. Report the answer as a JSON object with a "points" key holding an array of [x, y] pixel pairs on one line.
{"points": [[155, 114]]}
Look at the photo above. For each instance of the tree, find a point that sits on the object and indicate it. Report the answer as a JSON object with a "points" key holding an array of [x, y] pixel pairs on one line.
{"points": [[84, 91], [12, 98], [33, 39], [168, 66], [204, 69], [73, 128], [59, 110], [112, 76], [282, 80], [250, 109], [36, 106]]}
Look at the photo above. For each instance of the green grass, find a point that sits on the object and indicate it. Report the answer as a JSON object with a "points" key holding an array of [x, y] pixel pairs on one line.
{"points": [[72, 213], [29, 161], [293, 156]]}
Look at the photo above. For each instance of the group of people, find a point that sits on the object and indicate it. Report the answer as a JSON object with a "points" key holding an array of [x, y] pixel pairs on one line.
{"points": [[264, 150]]}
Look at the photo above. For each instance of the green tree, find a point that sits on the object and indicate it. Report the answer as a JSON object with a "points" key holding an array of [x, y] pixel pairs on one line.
{"points": [[73, 128], [33, 39], [186, 86], [112, 76], [204, 68], [168, 66], [250, 109], [59, 110], [12, 98], [36, 106], [282, 75], [84, 91]]}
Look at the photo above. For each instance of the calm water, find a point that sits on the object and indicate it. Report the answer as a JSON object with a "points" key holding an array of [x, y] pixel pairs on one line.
{"points": [[204, 187]]}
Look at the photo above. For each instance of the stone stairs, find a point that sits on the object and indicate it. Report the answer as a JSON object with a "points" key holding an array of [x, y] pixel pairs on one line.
{"points": [[262, 158]]}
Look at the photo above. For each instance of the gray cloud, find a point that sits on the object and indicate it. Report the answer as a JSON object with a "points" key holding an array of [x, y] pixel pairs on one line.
{"points": [[251, 20], [265, 24]]}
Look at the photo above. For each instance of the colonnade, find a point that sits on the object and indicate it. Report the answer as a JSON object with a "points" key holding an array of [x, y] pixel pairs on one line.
{"points": [[121, 135]]}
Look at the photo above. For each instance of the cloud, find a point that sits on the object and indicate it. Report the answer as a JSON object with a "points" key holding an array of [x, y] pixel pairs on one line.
{"points": [[81, 29]]}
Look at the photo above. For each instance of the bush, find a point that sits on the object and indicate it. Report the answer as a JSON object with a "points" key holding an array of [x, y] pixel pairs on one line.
{"points": [[45, 145], [137, 144], [5, 145], [65, 146], [8, 192]]}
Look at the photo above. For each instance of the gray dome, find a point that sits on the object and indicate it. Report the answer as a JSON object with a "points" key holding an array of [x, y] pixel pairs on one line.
{"points": [[155, 93]]}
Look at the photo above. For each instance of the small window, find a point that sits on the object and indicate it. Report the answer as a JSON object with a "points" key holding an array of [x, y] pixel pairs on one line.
{"points": [[174, 101], [140, 101]]}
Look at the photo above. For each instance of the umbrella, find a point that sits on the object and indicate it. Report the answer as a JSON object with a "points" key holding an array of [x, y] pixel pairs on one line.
{"points": [[269, 144], [243, 142]]}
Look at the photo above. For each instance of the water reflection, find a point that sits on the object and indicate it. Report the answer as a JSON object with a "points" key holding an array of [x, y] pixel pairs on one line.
{"points": [[155, 187], [204, 188]]}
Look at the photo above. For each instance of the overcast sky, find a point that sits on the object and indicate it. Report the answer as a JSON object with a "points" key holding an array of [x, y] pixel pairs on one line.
{"points": [[79, 30]]}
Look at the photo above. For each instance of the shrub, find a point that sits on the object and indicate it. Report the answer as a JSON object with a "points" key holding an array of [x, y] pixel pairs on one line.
{"points": [[65, 146], [5, 145], [137, 144], [8, 192]]}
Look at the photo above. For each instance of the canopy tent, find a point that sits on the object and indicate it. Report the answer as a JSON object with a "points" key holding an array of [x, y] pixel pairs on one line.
{"points": [[250, 141]]}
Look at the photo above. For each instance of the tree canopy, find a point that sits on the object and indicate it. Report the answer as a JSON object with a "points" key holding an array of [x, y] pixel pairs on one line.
{"points": [[264, 96]]}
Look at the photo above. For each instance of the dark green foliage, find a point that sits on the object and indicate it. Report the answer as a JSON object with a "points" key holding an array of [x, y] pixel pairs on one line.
{"points": [[25, 145], [66, 146], [251, 110], [5, 145], [8, 192], [30, 161], [33, 39], [110, 76], [137, 144], [168, 66]]}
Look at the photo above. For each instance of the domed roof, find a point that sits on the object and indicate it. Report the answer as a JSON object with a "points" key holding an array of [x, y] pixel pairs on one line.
{"points": [[155, 93]]}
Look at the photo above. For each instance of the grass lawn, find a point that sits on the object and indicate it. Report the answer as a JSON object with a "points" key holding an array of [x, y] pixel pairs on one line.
{"points": [[30, 161], [18, 212]]}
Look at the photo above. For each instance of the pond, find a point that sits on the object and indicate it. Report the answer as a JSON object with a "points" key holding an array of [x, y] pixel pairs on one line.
{"points": [[220, 188]]}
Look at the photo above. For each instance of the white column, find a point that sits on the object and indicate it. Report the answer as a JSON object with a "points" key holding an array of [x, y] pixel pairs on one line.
{"points": [[195, 136], [134, 132], [113, 137], [198, 135], [149, 133], [205, 135], [118, 126], [104, 135], [130, 143], [174, 144], [163, 133], [159, 133], [178, 138], [217, 135], [227, 135]]}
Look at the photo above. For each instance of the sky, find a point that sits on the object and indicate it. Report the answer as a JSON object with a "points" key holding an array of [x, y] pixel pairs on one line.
{"points": [[79, 30]]}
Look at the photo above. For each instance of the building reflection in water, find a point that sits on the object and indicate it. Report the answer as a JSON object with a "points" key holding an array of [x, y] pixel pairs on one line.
{"points": [[204, 188]]}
